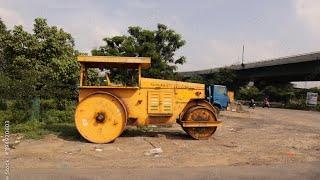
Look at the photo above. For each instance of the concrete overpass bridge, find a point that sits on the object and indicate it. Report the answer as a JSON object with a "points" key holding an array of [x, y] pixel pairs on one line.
{"points": [[302, 67]]}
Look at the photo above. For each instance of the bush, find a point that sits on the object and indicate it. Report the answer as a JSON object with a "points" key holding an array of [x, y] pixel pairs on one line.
{"points": [[248, 93], [22, 104], [16, 116], [61, 104], [47, 104], [31, 129], [56, 116], [21, 111], [302, 106], [3, 104], [51, 119]]}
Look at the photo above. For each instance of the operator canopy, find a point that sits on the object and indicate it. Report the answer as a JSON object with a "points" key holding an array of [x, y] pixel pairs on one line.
{"points": [[115, 61]]}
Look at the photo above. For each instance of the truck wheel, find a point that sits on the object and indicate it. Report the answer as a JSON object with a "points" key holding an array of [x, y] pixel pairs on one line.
{"points": [[101, 117], [199, 113]]}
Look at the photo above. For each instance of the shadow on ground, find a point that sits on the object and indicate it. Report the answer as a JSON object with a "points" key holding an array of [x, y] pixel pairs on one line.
{"points": [[70, 133], [65, 131], [136, 132]]}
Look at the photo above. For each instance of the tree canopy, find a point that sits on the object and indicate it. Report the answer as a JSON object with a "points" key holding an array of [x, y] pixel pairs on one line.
{"points": [[223, 76], [160, 44], [41, 63]]}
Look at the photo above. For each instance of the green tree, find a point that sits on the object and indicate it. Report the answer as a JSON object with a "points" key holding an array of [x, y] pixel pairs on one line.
{"points": [[41, 63], [226, 77], [4, 80], [247, 93], [223, 76], [160, 44], [3, 37], [196, 79], [276, 91]]}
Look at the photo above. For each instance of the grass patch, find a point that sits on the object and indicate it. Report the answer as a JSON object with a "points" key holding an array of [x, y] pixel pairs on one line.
{"points": [[37, 130], [31, 129], [51, 121]]}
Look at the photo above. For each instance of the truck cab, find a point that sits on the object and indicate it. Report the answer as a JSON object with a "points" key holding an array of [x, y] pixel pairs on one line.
{"points": [[217, 96]]}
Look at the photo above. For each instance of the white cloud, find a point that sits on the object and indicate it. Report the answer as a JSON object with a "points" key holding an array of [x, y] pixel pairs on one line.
{"points": [[10, 17], [141, 4], [90, 22], [87, 38], [308, 11], [86, 21], [101, 31], [218, 53]]}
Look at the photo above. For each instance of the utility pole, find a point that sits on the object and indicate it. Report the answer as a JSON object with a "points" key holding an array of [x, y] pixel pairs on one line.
{"points": [[242, 56]]}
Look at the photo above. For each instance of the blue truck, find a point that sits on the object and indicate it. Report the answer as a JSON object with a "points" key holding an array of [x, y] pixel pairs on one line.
{"points": [[217, 96]]}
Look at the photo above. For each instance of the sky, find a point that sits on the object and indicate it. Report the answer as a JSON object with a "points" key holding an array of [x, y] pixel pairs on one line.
{"points": [[214, 30]]}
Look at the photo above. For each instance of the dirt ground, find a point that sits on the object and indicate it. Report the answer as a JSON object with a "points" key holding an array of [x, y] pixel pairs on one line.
{"points": [[256, 137]]}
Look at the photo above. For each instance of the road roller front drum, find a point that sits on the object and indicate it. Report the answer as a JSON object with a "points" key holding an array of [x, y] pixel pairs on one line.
{"points": [[101, 117]]}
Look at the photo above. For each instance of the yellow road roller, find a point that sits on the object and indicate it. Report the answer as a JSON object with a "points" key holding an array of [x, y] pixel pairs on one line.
{"points": [[113, 95]]}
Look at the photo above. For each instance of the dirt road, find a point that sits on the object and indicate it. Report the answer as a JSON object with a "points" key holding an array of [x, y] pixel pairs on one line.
{"points": [[257, 137], [299, 171]]}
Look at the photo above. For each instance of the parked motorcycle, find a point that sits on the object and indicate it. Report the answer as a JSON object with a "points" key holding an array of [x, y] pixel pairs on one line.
{"points": [[252, 104]]}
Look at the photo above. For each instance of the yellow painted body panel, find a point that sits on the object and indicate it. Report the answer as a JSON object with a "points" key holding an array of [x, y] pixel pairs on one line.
{"points": [[154, 102]]}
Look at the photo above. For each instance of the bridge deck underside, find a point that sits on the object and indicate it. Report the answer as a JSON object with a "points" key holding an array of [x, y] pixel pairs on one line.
{"points": [[306, 71]]}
